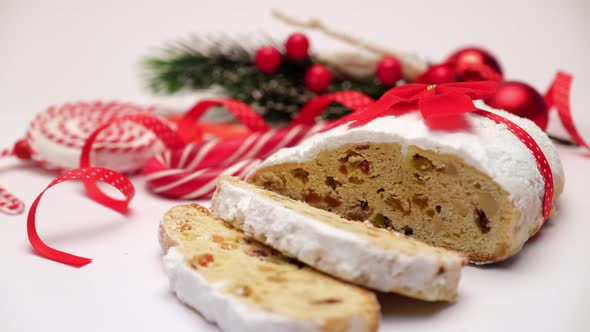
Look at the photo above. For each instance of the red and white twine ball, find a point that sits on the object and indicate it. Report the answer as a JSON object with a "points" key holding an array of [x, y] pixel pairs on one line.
{"points": [[56, 136]]}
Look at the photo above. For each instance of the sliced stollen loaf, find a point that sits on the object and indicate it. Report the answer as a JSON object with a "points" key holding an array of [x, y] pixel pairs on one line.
{"points": [[478, 191], [243, 285], [352, 251]]}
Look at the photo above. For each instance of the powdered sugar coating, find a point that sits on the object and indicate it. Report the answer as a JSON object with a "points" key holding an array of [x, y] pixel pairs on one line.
{"points": [[222, 309], [486, 145], [424, 274]]}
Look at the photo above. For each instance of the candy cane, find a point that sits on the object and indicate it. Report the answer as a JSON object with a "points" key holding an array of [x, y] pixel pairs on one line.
{"points": [[190, 172]]}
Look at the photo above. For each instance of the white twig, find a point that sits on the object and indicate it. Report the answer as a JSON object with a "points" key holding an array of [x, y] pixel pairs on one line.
{"points": [[411, 67]]}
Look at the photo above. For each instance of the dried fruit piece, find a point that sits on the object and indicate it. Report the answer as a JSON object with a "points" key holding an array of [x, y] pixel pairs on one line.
{"points": [[312, 197], [332, 202], [217, 238], [366, 166], [420, 200], [343, 169], [201, 260], [186, 227], [482, 220]]}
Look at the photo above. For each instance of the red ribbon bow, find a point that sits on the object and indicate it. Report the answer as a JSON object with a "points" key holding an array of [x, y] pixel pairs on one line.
{"points": [[442, 105]]}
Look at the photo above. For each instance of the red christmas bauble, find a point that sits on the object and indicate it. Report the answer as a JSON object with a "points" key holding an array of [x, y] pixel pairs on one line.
{"points": [[389, 70], [317, 78], [437, 74], [297, 46], [267, 59], [466, 57], [521, 99]]}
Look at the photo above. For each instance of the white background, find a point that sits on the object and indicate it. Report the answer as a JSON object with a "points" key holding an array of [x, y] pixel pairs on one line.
{"points": [[57, 51]]}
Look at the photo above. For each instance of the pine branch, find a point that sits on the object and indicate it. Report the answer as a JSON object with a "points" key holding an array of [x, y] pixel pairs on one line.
{"points": [[199, 64]]}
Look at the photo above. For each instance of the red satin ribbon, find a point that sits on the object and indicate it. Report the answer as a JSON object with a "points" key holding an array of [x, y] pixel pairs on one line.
{"points": [[242, 112], [442, 105], [558, 95], [90, 176], [531, 144], [119, 181]]}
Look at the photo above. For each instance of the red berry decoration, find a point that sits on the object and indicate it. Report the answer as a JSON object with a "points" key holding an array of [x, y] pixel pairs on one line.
{"points": [[317, 78], [389, 70], [470, 56], [267, 59], [22, 149], [521, 99], [297, 46], [441, 73]]}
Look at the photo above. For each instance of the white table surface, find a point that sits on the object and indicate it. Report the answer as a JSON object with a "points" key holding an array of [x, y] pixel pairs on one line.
{"points": [[56, 51]]}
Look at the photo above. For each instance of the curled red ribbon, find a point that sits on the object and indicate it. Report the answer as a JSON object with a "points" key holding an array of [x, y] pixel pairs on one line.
{"points": [[89, 177], [558, 95], [117, 180], [243, 113]]}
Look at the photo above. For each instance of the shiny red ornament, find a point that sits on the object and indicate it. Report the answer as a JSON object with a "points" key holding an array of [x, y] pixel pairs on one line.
{"points": [[437, 74], [472, 56], [267, 59], [521, 99], [297, 46], [317, 78], [389, 70]]}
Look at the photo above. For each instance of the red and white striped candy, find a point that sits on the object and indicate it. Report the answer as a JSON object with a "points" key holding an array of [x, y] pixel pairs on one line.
{"points": [[190, 172]]}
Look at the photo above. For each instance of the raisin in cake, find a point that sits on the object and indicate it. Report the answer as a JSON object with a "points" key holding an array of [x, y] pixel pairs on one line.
{"points": [[243, 285], [478, 191], [352, 251]]}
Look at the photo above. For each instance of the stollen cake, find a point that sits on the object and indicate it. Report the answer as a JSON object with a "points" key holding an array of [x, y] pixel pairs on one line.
{"points": [[478, 191], [352, 251], [242, 285]]}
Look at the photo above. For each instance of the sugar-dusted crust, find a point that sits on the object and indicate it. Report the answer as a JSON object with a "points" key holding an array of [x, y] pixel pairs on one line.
{"points": [[356, 252], [495, 169], [242, 285]]}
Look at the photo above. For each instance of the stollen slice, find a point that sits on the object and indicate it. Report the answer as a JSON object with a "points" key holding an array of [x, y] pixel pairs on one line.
{"points": [[356, 252], [481, 191], [243, 285]]}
